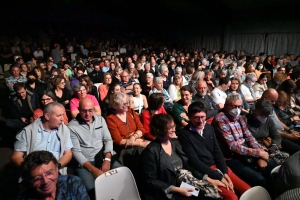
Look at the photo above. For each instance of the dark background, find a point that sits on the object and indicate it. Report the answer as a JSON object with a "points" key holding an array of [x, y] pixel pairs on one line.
{"points": [[164, 19]]}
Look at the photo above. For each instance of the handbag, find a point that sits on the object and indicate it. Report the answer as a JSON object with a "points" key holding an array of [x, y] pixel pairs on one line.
{"points": [[205, 187]]}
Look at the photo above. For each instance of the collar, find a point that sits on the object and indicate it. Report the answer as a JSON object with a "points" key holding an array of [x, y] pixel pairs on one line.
{"points": [[191, 128], [81, 121], [253, 121]]}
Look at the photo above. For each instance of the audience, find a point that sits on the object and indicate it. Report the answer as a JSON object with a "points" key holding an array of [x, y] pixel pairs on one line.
{"points": [[270, 120]]}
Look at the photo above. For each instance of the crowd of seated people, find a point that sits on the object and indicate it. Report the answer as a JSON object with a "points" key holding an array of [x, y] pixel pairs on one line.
{"points": [[92, 110]]}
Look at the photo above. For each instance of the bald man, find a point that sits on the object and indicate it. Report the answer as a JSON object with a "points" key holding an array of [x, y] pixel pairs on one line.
{"points": [[91, 143], [207, 101], [289, 136]]}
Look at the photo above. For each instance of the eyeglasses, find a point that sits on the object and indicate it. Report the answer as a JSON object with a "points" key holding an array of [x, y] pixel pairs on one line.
{"points": [[239, 107], [39, 179], [81, 91], [125, 104], [47, 99], [86, 111], [63, 83]]}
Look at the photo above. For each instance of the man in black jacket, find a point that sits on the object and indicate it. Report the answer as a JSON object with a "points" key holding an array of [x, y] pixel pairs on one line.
{"points": [[201, 146], [96, 75], [21, 107]]}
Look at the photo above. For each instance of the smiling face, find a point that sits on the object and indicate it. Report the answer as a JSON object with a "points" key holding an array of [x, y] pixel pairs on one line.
{"points": [[44, 178], [186, 97]]}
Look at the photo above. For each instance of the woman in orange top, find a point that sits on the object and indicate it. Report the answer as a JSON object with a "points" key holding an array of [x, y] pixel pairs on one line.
{"points": [[124, 125], [47, 97], [103, 89]]}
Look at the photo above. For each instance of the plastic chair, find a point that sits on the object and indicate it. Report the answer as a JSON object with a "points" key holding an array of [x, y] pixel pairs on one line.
{"points": [[16, 57], [116, 53], [116, 184], [110, 53], [256, 192], [103, 54], [274, 172]]}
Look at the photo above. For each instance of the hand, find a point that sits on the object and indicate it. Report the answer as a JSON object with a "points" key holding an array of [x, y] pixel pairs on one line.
{"points": [[130, 141], [67, 101], [10, 85], [264, 155], [185, 191], [296, 118], [209, 82], [262, 163], [123, 90], [230, 184], [23, 119], [216, 183], [183, 115], [97, 172], [145, 143], [294, 135], [105, 166]]}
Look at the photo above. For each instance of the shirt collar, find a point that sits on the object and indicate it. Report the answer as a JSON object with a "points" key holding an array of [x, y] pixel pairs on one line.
{"points": [[194, 130]]}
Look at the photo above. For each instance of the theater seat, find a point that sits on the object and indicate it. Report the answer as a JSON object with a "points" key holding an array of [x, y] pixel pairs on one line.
{"points": [[117, 184], [256, 192]]}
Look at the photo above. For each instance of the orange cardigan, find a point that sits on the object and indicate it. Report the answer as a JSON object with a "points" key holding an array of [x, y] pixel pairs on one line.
{"points": [[39, 112], [119, 130]]}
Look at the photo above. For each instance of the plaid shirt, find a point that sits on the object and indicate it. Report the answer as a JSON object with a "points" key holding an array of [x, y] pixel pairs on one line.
{"points": [[239, 139]]}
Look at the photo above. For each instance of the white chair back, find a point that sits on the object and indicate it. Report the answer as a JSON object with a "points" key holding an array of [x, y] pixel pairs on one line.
{"points": [[256, 192], [103, 54], [117, 184], [16, 57], [116, 53]]}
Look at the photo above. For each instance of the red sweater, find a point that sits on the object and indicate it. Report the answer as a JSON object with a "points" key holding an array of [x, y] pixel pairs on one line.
{"points": [[146, 118]]}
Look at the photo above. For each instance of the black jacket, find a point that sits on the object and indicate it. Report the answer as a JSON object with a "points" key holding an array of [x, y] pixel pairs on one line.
{"points": [[157, 175], [16, 107], [96, 77]]}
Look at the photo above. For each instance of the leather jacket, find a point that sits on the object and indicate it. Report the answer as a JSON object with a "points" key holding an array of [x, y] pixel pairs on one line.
{"points": [[158, 176]]}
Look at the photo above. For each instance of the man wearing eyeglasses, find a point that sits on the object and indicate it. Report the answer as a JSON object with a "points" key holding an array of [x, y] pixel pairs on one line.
{"points": [[240, 149], [93, 145], [40, 170]]}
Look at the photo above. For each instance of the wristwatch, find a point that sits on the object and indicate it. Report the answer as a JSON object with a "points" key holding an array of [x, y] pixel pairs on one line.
{"points": [[108, 159]]}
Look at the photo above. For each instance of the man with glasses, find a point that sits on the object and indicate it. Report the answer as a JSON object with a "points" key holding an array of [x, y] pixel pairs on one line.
{"points": [[40, 170], [46, 133], [126, 83], [92, 144], [201, 146], [245, 157]]}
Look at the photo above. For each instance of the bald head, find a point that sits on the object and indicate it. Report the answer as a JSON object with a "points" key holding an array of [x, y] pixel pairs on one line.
{"points": [[270, 95], [86, 102], [202, 88]]}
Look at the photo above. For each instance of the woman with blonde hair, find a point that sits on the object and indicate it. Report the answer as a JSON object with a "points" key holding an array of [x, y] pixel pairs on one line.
{"points": [[103, 89]]}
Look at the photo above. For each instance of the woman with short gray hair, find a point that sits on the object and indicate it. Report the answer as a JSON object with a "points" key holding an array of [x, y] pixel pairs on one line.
{"points": [[124, 124]]}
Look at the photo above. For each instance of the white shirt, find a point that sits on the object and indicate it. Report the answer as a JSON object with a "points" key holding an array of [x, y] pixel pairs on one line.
{"points": [[218, 96], [246, 92]]}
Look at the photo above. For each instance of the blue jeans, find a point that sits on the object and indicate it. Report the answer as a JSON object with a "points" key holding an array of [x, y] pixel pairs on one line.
{"points": [[251, 176], [87, 177]]}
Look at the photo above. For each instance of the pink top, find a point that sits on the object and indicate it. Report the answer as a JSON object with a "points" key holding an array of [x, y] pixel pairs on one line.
{"points": [[74, 103], [102, 91]]}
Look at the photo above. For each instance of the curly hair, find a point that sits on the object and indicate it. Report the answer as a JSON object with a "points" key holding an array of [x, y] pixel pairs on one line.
{"points": [[35, 159]]}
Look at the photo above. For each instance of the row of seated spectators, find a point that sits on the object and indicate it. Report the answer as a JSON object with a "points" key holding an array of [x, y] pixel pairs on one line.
{"points": [[246, 106]]}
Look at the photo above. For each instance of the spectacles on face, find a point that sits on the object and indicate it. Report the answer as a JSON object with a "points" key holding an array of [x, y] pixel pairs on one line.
{"points": [[86, 111], [62, 83], [239, 107], [39, 179], [198, 118], [47, 99], [125, 104], [82, 91]]}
